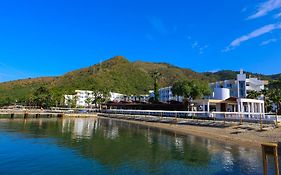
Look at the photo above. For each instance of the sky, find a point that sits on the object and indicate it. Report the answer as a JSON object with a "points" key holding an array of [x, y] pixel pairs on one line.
{"points": [[52, 37]]}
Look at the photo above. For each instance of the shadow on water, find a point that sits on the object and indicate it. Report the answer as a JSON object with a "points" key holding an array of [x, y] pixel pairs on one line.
{"points": [[116, 144]]}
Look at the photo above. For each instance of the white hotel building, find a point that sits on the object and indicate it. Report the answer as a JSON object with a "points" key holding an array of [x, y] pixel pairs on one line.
{"points": [[241, 86], [166, 95], [80, 97]]}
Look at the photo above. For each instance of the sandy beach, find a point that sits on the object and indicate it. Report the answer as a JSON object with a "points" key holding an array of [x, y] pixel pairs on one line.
{"points": [[245, 134]]}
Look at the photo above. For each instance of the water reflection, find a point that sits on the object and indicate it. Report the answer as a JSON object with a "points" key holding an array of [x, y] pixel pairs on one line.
{"points": [[120, 146]]}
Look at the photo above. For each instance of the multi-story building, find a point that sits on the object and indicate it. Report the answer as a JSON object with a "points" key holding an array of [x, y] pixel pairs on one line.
{"points": [[237, 88], [85, 98], [82, 97], [166, 95], [241, 86]]}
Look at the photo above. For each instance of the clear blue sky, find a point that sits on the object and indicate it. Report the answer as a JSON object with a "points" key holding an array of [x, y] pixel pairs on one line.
{"points": [[52, 37]]}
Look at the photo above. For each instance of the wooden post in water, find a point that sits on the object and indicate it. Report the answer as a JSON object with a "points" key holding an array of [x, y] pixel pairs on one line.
{"points": [[12, 116], [270, 149], [37, 115], [224, 118], [276, 116], [261, 122]]}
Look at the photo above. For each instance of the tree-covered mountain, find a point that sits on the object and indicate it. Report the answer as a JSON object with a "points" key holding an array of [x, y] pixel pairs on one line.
{"points": [[229, 74], [116, 74]]}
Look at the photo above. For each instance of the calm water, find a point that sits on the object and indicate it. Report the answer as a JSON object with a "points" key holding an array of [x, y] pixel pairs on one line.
{"points": [[101, 146]]}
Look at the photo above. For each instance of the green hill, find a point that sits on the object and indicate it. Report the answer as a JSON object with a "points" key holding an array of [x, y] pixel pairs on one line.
{"points": [[229, 74], [116, 74]]}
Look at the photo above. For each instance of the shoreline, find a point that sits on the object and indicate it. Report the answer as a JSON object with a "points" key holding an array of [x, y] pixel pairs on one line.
{"points": [[246, 138]]}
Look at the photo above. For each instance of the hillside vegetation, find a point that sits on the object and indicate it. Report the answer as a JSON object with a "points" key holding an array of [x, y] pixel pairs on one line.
{"points": [[116, 74], [228, 75]]}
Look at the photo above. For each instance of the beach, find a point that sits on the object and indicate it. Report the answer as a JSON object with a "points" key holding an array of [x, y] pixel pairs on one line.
{"points": [[246, 134]]}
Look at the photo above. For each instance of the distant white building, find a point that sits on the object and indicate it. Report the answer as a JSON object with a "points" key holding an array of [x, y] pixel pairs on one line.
{"points": [[136, 98], [82, 96], [241, 86], [144, 98], [166, 95], [117, 97]]}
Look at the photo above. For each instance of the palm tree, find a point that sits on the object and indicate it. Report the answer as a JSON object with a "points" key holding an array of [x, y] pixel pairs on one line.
{"points": [[274, 94], [156, 76], [253, 94], [89, 101], [267, 102], [275, 97], [73, 102]]}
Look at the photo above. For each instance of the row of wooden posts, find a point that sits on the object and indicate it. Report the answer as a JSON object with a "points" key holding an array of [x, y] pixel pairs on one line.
{"points": [[38, 115], [224, 119]]}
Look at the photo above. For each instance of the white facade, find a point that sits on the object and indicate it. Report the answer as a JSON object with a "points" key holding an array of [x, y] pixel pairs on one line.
{"points": [[244, 106], [116, 96], [165, 95], [82, 96], [241, 86], [250, 106], [136, 98], [221, 93]]}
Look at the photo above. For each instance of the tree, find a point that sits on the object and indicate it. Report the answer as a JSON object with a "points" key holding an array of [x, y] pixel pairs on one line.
{"points": [[267, 102], [73, 102], [89, 101], [42, 97], [274, 94], [100, 95], [56, 98], [190, 90], [156, 75], [253, 94]]}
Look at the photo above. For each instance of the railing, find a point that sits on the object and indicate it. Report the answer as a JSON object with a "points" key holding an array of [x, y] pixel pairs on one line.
{"points": [[276, 117], [235, 116]]}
